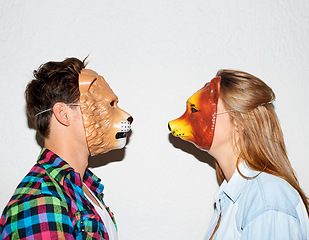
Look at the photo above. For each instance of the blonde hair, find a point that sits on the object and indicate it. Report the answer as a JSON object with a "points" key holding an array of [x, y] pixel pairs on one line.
{"points": [[261, 145]]}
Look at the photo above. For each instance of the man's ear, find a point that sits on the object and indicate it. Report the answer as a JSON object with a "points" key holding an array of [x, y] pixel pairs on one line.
{"points": [[60, 111]]}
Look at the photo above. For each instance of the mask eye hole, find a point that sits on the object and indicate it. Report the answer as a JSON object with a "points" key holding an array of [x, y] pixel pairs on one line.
{"points": [[193, 109]]}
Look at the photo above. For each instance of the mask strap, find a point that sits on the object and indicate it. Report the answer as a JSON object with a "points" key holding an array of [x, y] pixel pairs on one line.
{"points": [[50, 109], [225, 112]]}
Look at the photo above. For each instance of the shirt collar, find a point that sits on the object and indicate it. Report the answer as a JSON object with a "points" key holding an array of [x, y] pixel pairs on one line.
{"points": [[233, 188], [59, 169], [54, 165], [94, 183]]}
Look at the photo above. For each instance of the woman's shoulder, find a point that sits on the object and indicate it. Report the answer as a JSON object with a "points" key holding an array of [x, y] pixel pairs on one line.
{"points": [[276, 190], [267, 192]]}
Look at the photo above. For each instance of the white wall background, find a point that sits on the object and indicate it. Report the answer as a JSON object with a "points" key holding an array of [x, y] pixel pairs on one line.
{"points": [[155, 54]]}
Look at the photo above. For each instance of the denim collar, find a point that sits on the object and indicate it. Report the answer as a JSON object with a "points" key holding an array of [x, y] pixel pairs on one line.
{"points": [[233, 188]]}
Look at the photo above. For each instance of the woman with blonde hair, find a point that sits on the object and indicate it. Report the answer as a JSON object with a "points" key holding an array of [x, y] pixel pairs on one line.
{"points": [[260, 197]]}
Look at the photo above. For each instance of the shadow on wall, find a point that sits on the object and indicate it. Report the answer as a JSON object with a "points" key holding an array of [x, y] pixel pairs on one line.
{"points": [[38, 137], [188, 147], [116, 155]]}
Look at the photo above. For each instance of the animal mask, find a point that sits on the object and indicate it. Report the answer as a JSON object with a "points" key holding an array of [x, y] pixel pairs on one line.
{"points": [[197, 124], [105, 123]]}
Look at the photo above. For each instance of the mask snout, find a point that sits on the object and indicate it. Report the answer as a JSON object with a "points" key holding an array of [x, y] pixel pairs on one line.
{"points": [[130, 119], [180, 128], [125, 126]]}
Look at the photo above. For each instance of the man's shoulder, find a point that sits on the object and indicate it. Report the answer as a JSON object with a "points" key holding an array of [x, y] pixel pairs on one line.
{"points": [[32, 211], [35, 185], [30, 184]]}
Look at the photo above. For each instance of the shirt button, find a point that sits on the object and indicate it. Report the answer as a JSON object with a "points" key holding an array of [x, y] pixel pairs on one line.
{"points": [[83, 229], [82, 222]]}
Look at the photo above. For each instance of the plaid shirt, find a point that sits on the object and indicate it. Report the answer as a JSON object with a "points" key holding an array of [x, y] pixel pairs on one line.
{"points": [[49, 203]]}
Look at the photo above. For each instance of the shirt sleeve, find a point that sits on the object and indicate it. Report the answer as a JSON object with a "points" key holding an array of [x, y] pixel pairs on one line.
{"points": [[36, 217], [273, 225]]}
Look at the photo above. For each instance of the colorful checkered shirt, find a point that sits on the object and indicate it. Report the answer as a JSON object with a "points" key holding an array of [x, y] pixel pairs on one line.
{"points": [[49, 203]]}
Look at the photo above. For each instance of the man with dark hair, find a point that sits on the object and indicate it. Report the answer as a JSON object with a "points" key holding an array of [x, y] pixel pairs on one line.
{"points": [[76, 113]]}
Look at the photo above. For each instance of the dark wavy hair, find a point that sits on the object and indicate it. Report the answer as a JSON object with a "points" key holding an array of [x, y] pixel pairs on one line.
{"points": [[53, 82]]}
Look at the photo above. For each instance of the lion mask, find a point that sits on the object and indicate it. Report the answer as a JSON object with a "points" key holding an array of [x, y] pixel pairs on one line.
{"points": [[105, 123]]}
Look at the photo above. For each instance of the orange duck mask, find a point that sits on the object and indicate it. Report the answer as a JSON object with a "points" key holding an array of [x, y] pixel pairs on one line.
{"points": [[105, 123], [197, 124]]}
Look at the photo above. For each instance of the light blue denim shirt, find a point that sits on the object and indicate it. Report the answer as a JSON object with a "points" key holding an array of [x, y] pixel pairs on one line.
{"points": [[265, 207]]}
